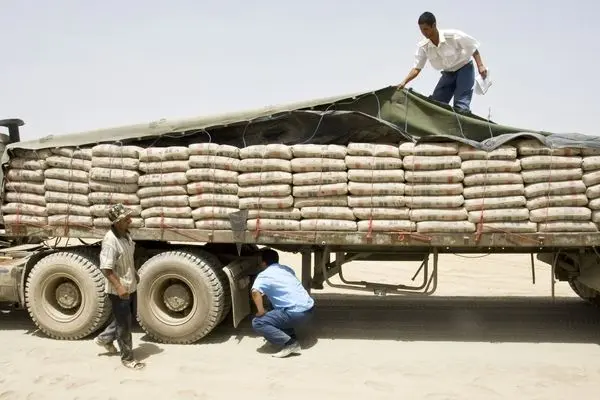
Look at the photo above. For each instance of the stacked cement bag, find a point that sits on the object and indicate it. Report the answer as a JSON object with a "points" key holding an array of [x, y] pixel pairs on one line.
{"points": [[67, 188], [162, 187], [376, 187], [114, 179], [24, 201], [554, 188], [320, 188], [213, 184], [265, 187], [434, 190], [494, 190], [591, 178]]}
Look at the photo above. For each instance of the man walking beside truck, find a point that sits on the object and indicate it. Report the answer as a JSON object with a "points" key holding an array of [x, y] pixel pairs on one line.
{"points": [[117, 265]]}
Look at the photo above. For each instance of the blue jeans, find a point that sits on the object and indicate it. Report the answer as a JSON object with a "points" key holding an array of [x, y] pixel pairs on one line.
{"points": [[277, 326], [124, 310], [458, 84]]}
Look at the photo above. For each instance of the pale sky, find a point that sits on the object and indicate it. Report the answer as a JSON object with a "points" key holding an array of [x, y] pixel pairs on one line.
{"points": [[74, 65]]}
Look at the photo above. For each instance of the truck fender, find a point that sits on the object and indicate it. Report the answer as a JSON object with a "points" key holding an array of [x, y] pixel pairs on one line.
{"points": [[238, 274]]}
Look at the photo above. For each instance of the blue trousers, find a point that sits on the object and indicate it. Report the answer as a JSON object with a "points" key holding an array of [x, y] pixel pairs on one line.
{"points": [[457, 84], [277, 326], [124, 310]]}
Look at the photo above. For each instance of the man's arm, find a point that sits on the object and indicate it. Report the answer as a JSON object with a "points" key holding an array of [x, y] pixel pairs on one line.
{"points": [[108, 257], [471, 45], [258, 302], [480, 67], [411, 75], [420, 60]]}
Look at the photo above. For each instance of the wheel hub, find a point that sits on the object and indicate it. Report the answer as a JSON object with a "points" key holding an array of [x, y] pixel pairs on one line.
{"points": [[177, 297], [67, 295]]}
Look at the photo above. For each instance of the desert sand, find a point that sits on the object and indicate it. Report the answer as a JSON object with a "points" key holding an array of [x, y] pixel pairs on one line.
{"points": [[487, 333]]}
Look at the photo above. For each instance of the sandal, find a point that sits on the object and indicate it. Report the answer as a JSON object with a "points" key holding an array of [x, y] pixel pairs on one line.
{"points": [[134, 364], [109, 347]]}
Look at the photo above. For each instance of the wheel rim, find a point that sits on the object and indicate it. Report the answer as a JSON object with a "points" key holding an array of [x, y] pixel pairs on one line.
{"points": [[63, 299], [172, 299]]}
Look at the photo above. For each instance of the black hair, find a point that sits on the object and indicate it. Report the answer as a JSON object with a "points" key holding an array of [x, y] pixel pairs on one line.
{"points": [[269, 256], [427, 18]]}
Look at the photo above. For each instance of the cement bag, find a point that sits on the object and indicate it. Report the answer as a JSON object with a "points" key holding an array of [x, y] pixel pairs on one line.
{"points": [[560, 214], [382, 225], [554, 188], [113, 198], [70, 198], [161, 167], [429, 214], [550, 162], [27, 220], [512, 227], [171, 153], [375, 189], [445, 227], [66, 186], [311, 178], [68, 209], [214, 199], [591, 178], [493, 178], [216, 162], [332, 201], [381, 213], [565, 200], [590, 151], [265, 190], [169, 212], [26, 209], [491, 203], [41, 154], [553, 175], [264, 178], [114, 175], [532, 147], [28, 198], [23, 163], [593, 204], [264, 165], [100, 186], [504, 152], [116, 163], [376, 176], [266, 202], [596, 217], [68, 163], [441, 176], [334, 189], [69, 152], [591, 163], [317, 165], [213, 149], [475, 192], [327, 225], [213, 224], [272, 225], [593, 192], [76, 221], [169, 223], [482, 166], [25, 187], [165, 201], [25, 175], [499, 215], [167, 179], [367, 162], [114, 150], [72, 175], [267, 151], [441, 189], [318, 151], [434, 201], [211, 175], [105, 223], [568, 226], [212, 187], [154, 191], [289, 213], [327, 213], [373, 150], [429, 149], [430, 163], [101, 210], [376, 201]]}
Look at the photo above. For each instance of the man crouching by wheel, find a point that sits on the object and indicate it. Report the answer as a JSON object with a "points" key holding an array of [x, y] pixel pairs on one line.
{"points": [[292, 305], [117, 265]]}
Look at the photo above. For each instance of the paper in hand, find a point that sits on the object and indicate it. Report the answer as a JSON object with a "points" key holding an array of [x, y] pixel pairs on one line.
{"points": [[482, 85]]}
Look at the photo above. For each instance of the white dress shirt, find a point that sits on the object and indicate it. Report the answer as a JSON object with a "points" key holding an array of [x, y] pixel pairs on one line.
{"points": [[453, 52]]}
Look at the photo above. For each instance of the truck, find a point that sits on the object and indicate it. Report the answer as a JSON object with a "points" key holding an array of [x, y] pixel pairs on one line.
{"points": [[192, 280]]}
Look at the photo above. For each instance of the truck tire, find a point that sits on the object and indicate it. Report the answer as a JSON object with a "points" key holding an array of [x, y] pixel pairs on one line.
{"points": [[182, 296], [589, 295], [64, 295]]}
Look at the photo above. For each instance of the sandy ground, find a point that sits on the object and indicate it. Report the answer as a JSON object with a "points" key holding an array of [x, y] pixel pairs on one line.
{"points": [[488, 333]]}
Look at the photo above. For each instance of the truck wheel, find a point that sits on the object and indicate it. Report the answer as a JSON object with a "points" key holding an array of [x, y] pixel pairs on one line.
{"points": [[182, 296], [589, 295], [64, 295]]}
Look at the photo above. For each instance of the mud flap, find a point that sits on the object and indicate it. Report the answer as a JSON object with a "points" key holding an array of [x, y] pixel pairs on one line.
{"points": [[238, 273]]}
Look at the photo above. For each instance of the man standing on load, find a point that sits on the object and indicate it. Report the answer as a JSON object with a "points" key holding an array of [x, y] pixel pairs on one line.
{"points": [[450, 51], [117, 264]]}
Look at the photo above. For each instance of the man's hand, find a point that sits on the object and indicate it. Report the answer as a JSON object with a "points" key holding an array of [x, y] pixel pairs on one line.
{"points": [[482, 71], [122, 292], [401, 86]]}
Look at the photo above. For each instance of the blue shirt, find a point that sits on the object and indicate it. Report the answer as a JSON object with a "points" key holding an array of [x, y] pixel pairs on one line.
{"points": [[285, 292]]}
